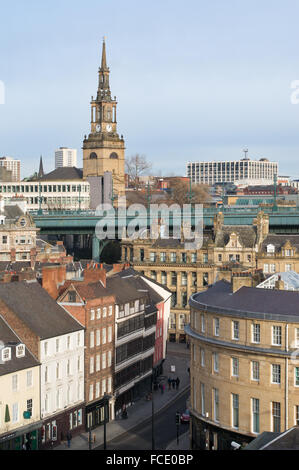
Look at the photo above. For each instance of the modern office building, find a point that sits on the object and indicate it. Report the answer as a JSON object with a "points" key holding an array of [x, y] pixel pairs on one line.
{"points": [[63, 188], [65, 156], [12, 165], [241, 172]]}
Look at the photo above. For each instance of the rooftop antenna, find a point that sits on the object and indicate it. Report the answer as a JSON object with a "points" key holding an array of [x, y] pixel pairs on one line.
{"points": [[245, 152]]}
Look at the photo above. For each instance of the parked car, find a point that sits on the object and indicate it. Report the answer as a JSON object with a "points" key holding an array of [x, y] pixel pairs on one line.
{"points": [[185, 417]]}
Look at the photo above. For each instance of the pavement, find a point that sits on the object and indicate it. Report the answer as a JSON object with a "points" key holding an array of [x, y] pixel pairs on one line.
{"points": [[177, 355], [184, 443]]}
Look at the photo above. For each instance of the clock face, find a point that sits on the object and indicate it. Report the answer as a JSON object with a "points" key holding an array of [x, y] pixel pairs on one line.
{"points": [[98, 128], [109, 127]]}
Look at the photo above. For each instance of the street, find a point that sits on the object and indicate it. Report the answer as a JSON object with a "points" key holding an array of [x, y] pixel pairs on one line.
{"points": [[141, 436]]}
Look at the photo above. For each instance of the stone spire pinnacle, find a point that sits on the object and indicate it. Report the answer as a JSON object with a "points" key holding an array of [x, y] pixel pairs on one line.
{"points": [[104, 60], [41, 168]]}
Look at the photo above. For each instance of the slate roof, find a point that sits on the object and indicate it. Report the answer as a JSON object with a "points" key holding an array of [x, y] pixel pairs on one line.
{"points": [[279, 241], [35, 307], [10, 339], [178, 244], [261, 440], [288, 440], [64, 173], [125, 286], [248, 300], [13, 212], [247, 235]]}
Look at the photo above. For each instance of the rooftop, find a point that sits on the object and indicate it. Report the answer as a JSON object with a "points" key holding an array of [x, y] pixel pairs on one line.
{"points": [[10, 339], [248, 301], [36, 308], [64, 173]]}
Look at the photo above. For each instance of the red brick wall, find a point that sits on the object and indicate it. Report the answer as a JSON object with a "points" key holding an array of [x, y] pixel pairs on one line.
{"points": [[30, 339], [52, 277]]}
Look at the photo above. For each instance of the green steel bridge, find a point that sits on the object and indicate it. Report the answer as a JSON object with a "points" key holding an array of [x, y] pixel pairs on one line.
{"points": [[281, 220]]}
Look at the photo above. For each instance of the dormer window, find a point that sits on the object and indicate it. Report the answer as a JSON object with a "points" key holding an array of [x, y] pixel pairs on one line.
{"points": [[6, 354], [270, 248], [20, 350]]}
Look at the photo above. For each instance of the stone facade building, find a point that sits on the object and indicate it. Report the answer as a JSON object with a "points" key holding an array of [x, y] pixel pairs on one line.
{"points": [[279, 253], [17, 235], [226, 249], [243, 378]]}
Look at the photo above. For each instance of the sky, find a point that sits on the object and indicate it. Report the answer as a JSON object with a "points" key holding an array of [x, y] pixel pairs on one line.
{"points": [[195, 80]]}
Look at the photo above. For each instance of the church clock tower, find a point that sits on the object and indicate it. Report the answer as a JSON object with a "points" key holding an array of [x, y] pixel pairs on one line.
{"points": [[103, 149]]}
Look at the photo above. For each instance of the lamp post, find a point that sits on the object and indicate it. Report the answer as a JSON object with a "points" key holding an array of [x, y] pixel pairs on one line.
{"points": [[153, 412], [89, 433], [177, 420], [106, 403]]}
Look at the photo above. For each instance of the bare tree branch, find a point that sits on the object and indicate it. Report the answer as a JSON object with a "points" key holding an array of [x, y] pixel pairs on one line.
{"points": [[135, 167]]}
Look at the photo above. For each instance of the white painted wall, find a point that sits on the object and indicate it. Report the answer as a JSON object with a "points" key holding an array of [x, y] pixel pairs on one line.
{"points": [[68, 388]]}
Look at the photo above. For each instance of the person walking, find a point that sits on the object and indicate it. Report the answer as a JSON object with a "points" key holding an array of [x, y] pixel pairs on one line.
{"points": [[177, 383], [169, 383], [69, 438], [173, 384]]}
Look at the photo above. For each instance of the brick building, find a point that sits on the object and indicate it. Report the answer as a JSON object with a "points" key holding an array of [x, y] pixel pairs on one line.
{"points": [[93, 306]]}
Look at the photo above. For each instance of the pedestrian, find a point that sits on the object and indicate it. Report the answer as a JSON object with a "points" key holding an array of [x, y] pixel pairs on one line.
{"points": [[169, 383], [188, 370], [24, 446], [173, 383], [163, 387], [69, 438], [124, 412], [177, 383]]}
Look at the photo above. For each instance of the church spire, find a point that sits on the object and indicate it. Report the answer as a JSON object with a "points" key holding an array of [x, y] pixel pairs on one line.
{"points": [[41, 168], [104, 87], [104, 60]]}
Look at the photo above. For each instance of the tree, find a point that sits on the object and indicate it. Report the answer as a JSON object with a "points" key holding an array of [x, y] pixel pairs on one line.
{"points": [[135, 167], [7, 416], [179, 192]]}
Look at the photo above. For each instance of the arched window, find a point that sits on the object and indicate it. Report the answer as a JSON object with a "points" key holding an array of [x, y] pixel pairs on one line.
{"points": [[93, 156], [113, 155]]}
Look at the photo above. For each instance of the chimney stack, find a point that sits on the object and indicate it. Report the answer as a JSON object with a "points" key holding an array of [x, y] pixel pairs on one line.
{"points": [[95, 273]]}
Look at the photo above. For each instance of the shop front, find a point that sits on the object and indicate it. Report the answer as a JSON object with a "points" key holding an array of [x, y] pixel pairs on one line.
{"points": [[56, 427], [95, 414], [25, 438]]}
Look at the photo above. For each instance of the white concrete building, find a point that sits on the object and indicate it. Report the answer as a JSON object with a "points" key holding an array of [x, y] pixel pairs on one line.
{"points": [[65, 156], [244, 171], [62, 189]]}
